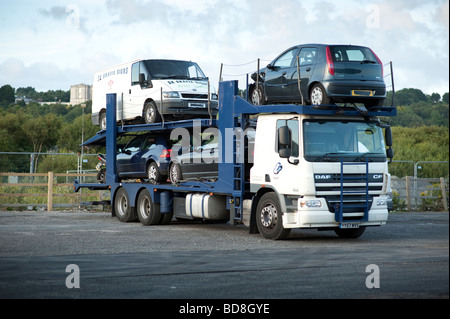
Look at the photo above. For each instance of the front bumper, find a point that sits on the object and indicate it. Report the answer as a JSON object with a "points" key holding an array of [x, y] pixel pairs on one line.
{"points": [[187, 107], [321, 217]]}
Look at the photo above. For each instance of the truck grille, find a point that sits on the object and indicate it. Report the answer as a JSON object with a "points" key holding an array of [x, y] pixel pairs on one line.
{"points": [[353, 189]]}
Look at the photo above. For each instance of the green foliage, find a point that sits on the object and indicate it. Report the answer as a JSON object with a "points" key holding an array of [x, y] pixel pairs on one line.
{"points": [[425, 143], [6, 95]]}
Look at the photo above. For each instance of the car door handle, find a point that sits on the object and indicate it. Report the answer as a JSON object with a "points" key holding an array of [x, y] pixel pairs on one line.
{"points": [[129, 91], [308, 69], [284, 73]]}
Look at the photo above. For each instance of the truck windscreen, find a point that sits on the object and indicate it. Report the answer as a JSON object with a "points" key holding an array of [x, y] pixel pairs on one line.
{"points": [[329, 141], [173, 69]]}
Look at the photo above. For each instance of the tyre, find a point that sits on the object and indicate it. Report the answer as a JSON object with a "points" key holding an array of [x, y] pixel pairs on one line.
{"points": [[103, 121], [151, 114], [124, 211], [269, 219], [175, 174], [318, 95], [153, 173], [101, 176], [148, 212], [257, 96], [350, 233]]}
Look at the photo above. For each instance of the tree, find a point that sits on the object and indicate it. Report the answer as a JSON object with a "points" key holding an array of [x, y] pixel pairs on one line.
{"points": [[435, 97], [42, 132], [445, 97], [7, 95]]}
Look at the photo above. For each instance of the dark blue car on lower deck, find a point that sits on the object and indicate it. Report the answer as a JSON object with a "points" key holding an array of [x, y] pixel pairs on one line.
{"points": [[145, 156]]}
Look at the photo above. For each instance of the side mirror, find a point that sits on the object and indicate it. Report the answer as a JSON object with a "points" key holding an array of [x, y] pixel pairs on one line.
{"points": [[142, 79], [270, 66], [143, 82], [390, 154], [285, 152], [388, 136], [284, 137], [284, 142]]}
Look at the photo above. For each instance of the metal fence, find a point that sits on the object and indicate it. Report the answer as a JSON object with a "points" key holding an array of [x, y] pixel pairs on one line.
{"points": [[420, 194]]}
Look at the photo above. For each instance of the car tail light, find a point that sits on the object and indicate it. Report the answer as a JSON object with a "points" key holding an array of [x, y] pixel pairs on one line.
{"points": [[379, 61], [165, 153], [330, 62]]}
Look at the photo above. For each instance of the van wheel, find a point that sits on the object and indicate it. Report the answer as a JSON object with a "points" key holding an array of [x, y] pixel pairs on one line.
{"points": [[151, 114], [103, 121], [124, 211], [148, 212], [318, 95], [269, 217]]}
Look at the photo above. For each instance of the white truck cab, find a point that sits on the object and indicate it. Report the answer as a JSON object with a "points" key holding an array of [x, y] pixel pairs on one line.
{"points": [[149, 89], [317, 168]]}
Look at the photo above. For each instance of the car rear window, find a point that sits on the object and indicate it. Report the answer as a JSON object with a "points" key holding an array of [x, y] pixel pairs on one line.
{"points": [[352, 54]]}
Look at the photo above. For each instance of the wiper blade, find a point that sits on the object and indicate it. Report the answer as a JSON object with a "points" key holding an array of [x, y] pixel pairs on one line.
{"points": [[368, 61], [364, 156]]}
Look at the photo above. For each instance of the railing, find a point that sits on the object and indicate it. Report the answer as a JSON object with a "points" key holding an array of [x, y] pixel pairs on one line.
{"points": [[420, 194], [41, 190]]}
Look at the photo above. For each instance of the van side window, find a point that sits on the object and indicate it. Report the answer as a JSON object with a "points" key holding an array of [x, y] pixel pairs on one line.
{"points": [[135, 74]]}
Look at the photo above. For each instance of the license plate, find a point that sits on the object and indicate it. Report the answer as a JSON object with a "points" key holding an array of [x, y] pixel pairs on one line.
{"points": [[362, 93], [98, 166], [202, 105], [349, 225]]}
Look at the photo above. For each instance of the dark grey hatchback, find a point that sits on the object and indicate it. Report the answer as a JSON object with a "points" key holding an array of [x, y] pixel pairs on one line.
{"points": [[328, 74]]}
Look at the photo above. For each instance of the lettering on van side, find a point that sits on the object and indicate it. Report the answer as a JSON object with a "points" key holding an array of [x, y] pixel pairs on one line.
{"points": [[111, 73]]}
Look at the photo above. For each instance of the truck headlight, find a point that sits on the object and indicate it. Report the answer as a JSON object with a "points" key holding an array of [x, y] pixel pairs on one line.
{"points": [[310, 203], [171, 95], [381, 202]]}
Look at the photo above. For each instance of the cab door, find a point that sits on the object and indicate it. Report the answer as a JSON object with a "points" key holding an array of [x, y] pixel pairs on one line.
{"points": [[137, 92]]}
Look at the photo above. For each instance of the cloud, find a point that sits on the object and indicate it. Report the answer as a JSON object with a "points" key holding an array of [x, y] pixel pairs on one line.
{"points": [[87, 36], [42, 76]]}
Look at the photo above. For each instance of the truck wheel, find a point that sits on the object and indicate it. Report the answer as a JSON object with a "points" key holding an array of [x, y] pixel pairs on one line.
{"points": [[153, 173], [350, 233], [124, 211], [269, 217], [318, 95], [148, 212], [175, 174], [151, 114]]}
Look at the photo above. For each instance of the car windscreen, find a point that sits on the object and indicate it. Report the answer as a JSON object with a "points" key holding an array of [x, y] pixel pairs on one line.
{"points": [[349, 53], [171, 69]]}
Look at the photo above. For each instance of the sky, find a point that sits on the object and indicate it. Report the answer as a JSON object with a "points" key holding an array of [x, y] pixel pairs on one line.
{"points": [[51, 45]]}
